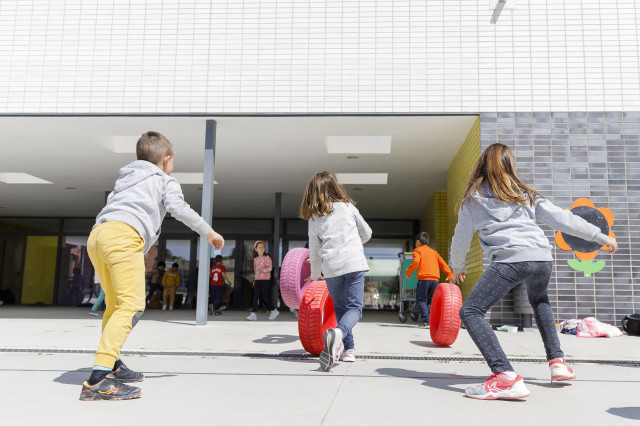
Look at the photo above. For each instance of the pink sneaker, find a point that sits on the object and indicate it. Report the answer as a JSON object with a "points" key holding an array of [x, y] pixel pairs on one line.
{"points": [[560, 371], [497, 386]]}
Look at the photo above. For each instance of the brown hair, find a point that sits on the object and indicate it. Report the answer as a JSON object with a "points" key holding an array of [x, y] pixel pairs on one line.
{"points": [[321, 192], [153, 147], [497, 167], [255, 253]]}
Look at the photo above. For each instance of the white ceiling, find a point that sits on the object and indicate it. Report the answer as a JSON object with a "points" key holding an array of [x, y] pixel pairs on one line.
{"points": [[255, 157]]}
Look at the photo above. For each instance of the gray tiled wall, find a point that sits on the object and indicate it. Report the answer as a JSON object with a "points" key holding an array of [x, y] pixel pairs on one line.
{"points": [[571, 155]]}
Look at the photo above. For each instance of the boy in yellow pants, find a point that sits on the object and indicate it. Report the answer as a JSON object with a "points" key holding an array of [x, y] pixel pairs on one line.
{"points": [[125, 229], [170, 282]]}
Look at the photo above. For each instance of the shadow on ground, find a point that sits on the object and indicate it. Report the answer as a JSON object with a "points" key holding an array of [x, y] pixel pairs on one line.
{"points": [[277, 339], [632, 413]]}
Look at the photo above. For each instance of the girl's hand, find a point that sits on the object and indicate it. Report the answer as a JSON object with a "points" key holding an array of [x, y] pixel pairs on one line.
{"points": [[611, 242], [215, 239], [459, 277]]}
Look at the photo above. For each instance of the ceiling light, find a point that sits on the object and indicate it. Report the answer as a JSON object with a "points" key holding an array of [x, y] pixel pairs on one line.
{"points": [[190, 178], [362, 178], [358, 144], [20, 178], [119, 144], [353, 157]]}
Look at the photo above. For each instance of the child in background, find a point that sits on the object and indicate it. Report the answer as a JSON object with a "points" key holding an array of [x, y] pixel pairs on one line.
{"points": [[337, 233], [262, 267], [504, 210], [218, 274], [170, 282], [125, 229], [155, 280], [429, 264]]}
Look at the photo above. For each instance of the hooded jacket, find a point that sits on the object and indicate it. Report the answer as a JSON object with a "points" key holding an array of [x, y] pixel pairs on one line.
{"points": [[508, 231], [142, 195]]}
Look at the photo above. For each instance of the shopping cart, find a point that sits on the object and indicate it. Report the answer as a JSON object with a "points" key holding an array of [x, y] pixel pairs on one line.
{"points": [[408, 288]]}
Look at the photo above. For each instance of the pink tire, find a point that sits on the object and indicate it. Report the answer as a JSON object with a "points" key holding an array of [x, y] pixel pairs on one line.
{"points": [[294, 271]]}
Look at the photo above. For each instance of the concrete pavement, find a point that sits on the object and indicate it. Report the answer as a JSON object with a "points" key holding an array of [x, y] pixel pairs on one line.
{"points": [[236, 372]]}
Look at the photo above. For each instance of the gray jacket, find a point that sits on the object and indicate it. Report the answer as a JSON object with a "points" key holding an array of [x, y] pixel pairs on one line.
{"points": [[142, 195], [508, 231], [335, 242]]}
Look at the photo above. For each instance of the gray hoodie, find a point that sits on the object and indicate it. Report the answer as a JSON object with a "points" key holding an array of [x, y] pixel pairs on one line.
{"points": [[508, 231], [142, 195]]}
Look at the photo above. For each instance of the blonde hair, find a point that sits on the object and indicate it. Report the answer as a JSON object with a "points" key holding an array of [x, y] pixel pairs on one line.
{"points": [[321, 192], [153, 147], [497, 168]]}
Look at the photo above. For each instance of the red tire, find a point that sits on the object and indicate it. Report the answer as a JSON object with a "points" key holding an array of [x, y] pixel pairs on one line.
{"points": [[315, 317], [445, 314], [294, 271]]}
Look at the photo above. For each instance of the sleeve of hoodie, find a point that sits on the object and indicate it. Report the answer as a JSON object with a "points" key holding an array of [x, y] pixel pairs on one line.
{"points": [[173, 201], [363, 228], [461, 240], [565, 221], [314, 256]]}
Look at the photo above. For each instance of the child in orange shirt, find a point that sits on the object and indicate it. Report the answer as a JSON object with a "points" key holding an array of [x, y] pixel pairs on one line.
{"points": [[429, 263]]}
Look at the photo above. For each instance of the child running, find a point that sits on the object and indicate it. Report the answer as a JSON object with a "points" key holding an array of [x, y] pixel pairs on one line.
{"points": [[125, 229], [337, 232], [503, 210]]}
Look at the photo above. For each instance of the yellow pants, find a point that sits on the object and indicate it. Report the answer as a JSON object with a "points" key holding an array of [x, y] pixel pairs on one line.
{"points": [[117, 253], [171, 293]]}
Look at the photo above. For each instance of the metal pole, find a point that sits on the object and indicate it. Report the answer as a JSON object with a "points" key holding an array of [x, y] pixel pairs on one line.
{"points": [[207, 215], [276, 248]]}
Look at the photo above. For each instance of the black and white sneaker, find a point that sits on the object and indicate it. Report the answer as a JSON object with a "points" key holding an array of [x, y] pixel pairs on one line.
{"points": [[332, 348], [109, 389], [124, 375]]}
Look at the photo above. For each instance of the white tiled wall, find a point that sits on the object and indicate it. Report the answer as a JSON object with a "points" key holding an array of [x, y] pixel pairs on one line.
{"points": [[83, 56]]}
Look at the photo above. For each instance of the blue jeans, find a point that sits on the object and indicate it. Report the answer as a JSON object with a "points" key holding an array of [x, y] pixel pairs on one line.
{"points": [[424, 295], [347, 292], [99, 301], [493, 285], [215, 296]]}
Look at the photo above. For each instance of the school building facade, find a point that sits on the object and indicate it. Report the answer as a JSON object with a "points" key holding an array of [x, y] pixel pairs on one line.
{"points": [[399, 97]]}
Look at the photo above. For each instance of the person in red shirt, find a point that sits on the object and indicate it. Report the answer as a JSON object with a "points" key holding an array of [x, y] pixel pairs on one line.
{"points": [[429, 263], [218, 274]]}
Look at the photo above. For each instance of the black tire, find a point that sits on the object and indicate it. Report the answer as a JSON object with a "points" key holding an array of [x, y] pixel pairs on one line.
{"points": [[414, 316], [402, 318]]}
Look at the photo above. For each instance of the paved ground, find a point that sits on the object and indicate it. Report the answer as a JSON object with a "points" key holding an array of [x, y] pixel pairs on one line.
{"points": [[236, 372]]}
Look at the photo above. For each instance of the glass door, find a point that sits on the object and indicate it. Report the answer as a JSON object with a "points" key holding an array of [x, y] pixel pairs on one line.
{"points": [[178, 252], [229, 256], [12, 250]]}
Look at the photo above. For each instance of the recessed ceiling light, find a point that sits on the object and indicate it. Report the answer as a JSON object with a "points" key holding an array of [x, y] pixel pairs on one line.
{"points": [[358, 144], [20, 178], [119, 144], [353, 157], [190, 178], [362, 178]]}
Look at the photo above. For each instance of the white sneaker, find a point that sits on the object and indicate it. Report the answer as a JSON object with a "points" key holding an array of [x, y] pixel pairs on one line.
{"points": [[348, 355], [274, 314], [332, 348], [223, 308], [294, 312], [164, 307], [171, 308], [560, 370], [252, 317], [498, 386]]}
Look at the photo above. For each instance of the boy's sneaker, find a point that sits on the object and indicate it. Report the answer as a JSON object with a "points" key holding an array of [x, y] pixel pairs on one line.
{"points": [[274, 314], [252, 317], [109, 389], [348, 355], [560, 370], [171, 308], [124, 375], [332, 347], [164, 307], [210, 309], [94, 313], [223, 307], [498, 386], [424, 325], [217, 312]]}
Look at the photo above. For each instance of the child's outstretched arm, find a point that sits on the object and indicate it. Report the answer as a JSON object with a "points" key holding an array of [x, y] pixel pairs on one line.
{"points": [[363, 228], [314, 257], [173, 200], [460, 243], [565, 221], [414, 264], [444, 267]]}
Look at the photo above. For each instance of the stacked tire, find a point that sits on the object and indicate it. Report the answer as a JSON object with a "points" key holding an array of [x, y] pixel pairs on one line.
{"points": [[444, 319]]}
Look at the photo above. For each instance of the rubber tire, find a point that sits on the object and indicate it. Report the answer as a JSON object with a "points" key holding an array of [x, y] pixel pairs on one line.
{"points": [[444, 319], [402, 318], [414, 316], [315, 317], [294, 271]]}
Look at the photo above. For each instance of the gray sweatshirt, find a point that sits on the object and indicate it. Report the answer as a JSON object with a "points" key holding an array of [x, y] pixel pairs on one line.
{"points": [[142, 195], [335, 242], [508, 231]]}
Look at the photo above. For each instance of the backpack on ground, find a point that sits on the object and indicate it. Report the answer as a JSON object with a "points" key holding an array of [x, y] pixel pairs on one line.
{"points": [[631, 324]]}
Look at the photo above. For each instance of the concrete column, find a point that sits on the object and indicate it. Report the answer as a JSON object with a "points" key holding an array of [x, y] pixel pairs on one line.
{"points": [[276, 247], [207, 215]]}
